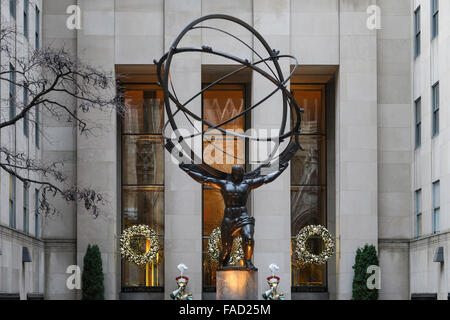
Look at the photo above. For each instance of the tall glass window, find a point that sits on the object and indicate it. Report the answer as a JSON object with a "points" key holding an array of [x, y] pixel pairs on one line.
{"points": [[418, 121], [12, 201], [436, 206], [12, 9], [143, 179], [37, 29], [37, 127], [25, 117], [26, 210], [418, 212], [25, 18], [308, 182], [435, 109], [434, 18], [220, 103], [417, 31], [36, 214], [12, 91]]}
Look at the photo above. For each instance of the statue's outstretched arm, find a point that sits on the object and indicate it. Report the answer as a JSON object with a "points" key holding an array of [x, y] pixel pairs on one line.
{"points": [[257, 182], [200, 178], [271, 177]]}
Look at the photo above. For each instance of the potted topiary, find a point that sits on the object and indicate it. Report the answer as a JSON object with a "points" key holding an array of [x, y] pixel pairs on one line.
{"points": [[92, 278], [365, 257]]}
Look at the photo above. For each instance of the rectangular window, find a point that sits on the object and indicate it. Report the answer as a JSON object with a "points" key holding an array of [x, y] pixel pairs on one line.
{"points": [[143, 180], [37, 128], [219, 103], [436, 206], [435, 109], [418, 212], [26, 215], [308, 183], [434, 18], [417, 31], [418, 121], [12, 91], [36, 214], [12, 9], [37, 40], [25, 117], [12, 201], [25, 18]]}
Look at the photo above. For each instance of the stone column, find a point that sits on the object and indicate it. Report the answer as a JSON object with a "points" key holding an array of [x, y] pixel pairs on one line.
{"points": [[395, 138], [183, 196], [97, 152], [271, 203], [59, 145], [356, 137]]}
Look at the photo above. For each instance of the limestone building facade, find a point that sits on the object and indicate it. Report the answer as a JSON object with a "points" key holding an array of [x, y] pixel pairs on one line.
{"points": [[374, 82]]}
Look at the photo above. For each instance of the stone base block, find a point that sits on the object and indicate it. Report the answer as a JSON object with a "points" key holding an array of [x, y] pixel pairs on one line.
{"points": [[236, 285]]}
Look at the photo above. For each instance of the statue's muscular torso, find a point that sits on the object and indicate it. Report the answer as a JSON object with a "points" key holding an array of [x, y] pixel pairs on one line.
{"points": [[235, 195]]}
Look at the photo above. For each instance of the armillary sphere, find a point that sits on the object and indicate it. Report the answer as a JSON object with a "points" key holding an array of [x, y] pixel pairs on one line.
{"points": [[177, 141]]}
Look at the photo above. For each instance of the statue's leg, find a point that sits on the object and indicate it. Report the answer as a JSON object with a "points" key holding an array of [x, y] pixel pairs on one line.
{"points": [[227, 243], [247, 245], [225, 253]]}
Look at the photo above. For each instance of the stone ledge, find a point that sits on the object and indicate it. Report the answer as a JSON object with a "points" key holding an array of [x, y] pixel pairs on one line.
{"points": [[61, 244], [401, 244], [430, 239], [26, 238]]}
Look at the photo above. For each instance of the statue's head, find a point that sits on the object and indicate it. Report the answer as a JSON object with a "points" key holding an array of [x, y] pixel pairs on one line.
{"points": [[237, 174]]}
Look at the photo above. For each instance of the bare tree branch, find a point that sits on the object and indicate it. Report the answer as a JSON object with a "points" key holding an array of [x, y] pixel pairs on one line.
{"points": [[64, 86]]}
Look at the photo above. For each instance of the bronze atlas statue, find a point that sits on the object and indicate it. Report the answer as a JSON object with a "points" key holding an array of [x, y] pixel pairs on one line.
{"points": [[235, 187]]}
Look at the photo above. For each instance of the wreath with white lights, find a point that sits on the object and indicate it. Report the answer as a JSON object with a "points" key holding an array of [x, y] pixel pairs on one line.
{"points": [[215, 246], [304, 256], [129, 235]]}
